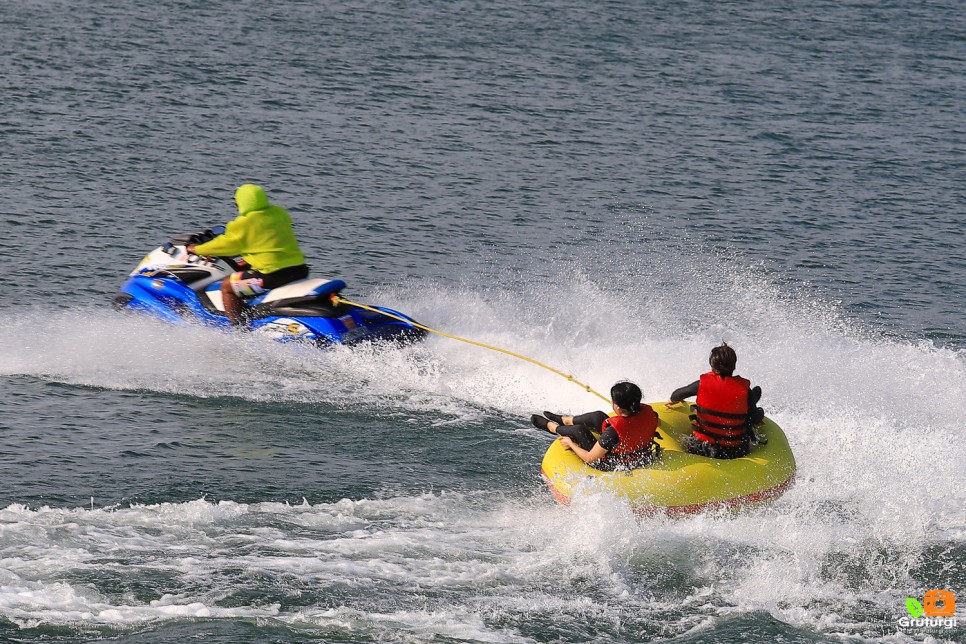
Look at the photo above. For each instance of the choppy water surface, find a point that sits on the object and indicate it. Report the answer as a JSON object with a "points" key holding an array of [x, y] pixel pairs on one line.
{"points": [[611, 189]]}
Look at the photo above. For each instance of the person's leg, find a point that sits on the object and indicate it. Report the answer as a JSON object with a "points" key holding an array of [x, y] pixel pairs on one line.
{"points": [[235, 288], [231, 302], [580, 434], [557, 418], [592, 419], [694, 445], [587, 422], [544, 423]]}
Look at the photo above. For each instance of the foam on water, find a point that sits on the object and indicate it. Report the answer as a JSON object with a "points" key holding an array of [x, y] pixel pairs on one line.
{"points": [[474, 567], [426, 558]]}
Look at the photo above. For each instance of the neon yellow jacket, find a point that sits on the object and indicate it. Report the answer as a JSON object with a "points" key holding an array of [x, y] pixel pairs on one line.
{"points": [[262, 234]]}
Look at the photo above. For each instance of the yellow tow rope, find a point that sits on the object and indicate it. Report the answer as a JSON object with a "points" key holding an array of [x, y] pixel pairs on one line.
{"points": [[341, 300]]}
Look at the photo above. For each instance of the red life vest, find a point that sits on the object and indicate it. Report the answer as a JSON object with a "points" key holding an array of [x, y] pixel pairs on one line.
{"points": [[635, 432], [721, 410]]}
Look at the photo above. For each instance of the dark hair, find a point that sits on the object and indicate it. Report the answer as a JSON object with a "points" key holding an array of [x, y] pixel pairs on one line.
{"points": [[627, 396], [723, 359]]}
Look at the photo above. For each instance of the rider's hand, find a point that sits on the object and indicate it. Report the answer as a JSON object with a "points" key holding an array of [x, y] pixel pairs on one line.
{"points": [[190, 248]]}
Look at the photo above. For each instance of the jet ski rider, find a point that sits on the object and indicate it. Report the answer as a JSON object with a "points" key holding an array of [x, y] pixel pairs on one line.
{"points": [[262, 234]]}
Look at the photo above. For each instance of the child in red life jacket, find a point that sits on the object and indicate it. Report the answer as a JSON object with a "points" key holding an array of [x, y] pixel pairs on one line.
{"points": [[725, 409], [626, 440]]}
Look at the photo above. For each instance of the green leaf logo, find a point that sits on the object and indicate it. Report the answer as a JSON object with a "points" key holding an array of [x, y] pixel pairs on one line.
{"points": [[914, 607]]}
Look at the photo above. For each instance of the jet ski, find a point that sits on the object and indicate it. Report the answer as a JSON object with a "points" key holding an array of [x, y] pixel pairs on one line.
{"points": [[175, 285]]}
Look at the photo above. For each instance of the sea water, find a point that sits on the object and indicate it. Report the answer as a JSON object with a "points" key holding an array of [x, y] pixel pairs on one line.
{"points": [[609, 188]]}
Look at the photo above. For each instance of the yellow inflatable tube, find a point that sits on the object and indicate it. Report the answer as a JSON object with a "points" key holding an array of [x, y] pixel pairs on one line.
{"points": [[678, 482]]}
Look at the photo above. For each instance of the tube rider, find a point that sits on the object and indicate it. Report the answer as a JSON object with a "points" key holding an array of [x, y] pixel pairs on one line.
{"points": [[626, 439], [262, 234], [725, 408]]}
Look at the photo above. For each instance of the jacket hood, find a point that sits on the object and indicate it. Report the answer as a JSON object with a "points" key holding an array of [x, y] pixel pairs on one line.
{"points": [[249, 198]]}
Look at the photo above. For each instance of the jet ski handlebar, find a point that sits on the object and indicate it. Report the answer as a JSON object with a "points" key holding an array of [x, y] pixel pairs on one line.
{"points": [[197, 237]]}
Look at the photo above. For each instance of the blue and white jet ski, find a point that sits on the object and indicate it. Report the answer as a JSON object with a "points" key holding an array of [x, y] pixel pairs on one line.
{"points": [[175, 286]]}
